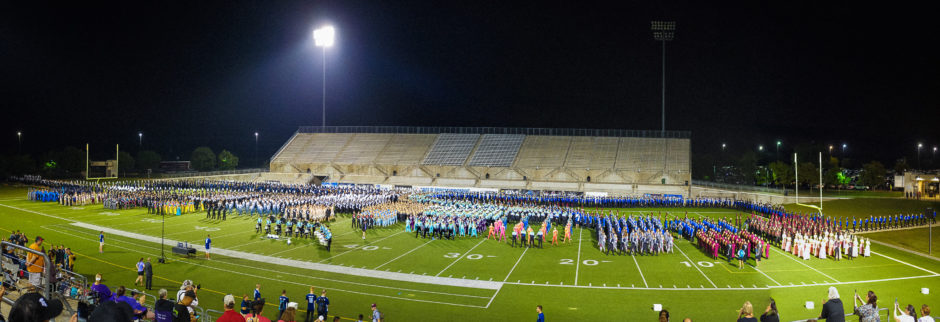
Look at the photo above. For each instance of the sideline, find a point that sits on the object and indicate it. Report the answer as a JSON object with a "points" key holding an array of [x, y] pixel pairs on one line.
{"points": [[435, 280]]}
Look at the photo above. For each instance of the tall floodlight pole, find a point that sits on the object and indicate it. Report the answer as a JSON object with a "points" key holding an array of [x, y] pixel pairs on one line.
{"points": [[796, 177], [663, 31], [777, 155], [256, 147], [19, 142], [919, 146], [324, 37], [820, 183], [140, 139]]}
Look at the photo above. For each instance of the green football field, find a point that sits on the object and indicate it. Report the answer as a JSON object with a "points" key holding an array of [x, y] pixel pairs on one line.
{"points": [[464, 279]]}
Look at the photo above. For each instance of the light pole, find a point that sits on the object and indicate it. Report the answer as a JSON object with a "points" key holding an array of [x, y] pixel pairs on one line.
{"points": [[19, 142], [663, 31], [919, 146], [778, 150], [140, 139], [843, 149], [760, 148], [324, 37], [830, 149], [256, 147]]}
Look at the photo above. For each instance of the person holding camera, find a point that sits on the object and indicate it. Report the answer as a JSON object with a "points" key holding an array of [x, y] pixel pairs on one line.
{"points": [[869, 311], [907, 315]]}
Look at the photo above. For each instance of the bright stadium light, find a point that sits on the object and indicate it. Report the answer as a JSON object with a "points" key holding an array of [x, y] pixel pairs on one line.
{"points": [[19, 142], [324, 37], [760, 147], [723, 146], [140, 139]]}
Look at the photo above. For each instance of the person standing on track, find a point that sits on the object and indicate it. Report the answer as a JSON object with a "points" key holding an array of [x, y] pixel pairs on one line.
{"points": [[311, 305], [101, 242], [140, 273], [208, 245]]}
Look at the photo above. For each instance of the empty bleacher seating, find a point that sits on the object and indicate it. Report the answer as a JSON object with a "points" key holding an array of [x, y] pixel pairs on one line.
{"points": [[497, 150]]}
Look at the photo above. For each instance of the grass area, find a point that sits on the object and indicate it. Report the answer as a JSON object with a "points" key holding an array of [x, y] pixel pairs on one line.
{"points": [[572, 281], [913, 239], [864, 207], [861, 194]]}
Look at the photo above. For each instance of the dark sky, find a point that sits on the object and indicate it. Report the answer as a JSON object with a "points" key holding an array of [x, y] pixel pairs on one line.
{"points": [[190, 73]]}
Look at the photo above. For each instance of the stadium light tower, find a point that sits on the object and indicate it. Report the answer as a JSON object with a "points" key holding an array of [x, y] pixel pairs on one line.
{"points": [[256, 147], [777, 155], [919, 146], [140, 139], [843, 149], [324, 37], [760, 147], [830, 149], [663, 31], [19, 142], [723, 146]]}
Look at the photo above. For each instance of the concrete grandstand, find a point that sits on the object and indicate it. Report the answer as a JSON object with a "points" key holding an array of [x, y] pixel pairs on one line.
{"points": [[584, 160]]}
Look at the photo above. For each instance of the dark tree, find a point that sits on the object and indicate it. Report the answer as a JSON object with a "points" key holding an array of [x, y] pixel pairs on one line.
{"points": [[203, 159]]}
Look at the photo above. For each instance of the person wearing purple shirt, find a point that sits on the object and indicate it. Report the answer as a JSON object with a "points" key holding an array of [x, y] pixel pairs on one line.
{"points": [[102, 290]]}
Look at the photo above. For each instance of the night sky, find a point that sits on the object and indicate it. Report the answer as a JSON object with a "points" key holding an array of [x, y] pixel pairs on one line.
{"points": [[191, 73]]}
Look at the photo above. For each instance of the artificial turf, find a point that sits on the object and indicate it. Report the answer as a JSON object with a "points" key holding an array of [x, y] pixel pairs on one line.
{"points": [[573, 281]]}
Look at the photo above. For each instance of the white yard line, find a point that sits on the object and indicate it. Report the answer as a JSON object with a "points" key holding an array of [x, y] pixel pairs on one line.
{"points": [[403, 255], [804, 264], [640, 270], [577, 267], [367, 244], [905, 250], [696, 266], [494, 297], [137, 248], [908, 264], [459, 258], [517, 264], [765, 275]]}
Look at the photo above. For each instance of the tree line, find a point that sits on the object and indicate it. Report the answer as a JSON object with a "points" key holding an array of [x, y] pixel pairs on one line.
{"points": [[70, 162]]}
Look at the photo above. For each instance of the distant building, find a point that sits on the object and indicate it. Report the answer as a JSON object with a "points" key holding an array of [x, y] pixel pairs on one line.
{"points": [[919, 184]]}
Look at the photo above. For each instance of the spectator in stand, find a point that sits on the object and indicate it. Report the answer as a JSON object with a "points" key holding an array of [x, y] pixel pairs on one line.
{"points": [[181, 309], [747, 313], [907, 315], [230, 315], [33, 307], [163, 308], [869, 311], [770, 314], [925, 314], [832, 310], [246, 305], [35, 263], [289, 315], [257, 307], [136, 304], [100, 291]]}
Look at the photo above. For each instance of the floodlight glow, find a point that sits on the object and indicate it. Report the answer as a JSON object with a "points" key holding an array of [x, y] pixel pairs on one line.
{"points": [[760, 147], [723, 146], [920, 145], [324, 36], [779, 143]]}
